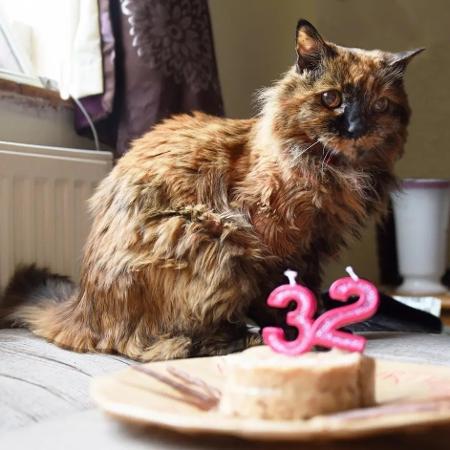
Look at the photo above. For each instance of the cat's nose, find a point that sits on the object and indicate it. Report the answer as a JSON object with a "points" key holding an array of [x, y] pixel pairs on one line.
{"points": [[355, 121], [356, 127]]}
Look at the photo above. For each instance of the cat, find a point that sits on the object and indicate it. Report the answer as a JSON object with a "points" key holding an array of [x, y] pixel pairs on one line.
{"points": [[197, 222]]}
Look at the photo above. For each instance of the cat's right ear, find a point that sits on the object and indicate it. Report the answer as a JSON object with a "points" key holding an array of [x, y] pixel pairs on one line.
{"points": [[311, 48]]}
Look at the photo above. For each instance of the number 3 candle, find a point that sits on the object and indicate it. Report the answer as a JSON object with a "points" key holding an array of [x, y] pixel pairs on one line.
{"points": [[324, 330], [301, 317]]}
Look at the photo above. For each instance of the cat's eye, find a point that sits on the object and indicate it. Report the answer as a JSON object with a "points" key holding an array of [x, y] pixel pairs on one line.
{"points": [[381, 105], [332, 99]]}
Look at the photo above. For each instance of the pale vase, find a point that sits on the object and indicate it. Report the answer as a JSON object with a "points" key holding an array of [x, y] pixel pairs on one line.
{"points": [[421, 213]]}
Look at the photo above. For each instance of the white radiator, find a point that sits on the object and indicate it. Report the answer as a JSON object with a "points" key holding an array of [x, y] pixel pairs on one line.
{"points": [[43, 210]]}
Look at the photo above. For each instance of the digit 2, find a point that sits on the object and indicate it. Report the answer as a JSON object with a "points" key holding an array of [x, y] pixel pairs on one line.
{"points": [[325, 327]]}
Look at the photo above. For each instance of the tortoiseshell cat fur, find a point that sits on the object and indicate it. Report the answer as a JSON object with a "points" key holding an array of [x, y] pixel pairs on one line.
{"points": [[197, 222]]}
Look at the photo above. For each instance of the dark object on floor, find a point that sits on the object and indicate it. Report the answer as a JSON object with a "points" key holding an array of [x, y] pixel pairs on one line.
{"points": [[391, 316]]}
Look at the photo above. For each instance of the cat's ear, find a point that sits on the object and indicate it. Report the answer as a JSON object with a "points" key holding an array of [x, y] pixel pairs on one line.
{"points": [[311, 48], [399, 61]]}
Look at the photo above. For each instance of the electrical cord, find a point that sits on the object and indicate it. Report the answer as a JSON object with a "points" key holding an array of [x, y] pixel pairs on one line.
{"points": [[90, 122]]}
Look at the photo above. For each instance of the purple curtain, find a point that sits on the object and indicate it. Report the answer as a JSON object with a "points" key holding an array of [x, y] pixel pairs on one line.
{"points": [[158, 59]]}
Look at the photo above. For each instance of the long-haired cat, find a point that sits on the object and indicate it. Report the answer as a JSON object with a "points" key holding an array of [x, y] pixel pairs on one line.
{"points": [[196, 224]]}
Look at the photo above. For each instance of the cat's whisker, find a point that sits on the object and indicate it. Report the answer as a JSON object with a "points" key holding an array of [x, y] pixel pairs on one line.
{"points": [[327, 152], [299, 154], [312, 145], [323, 158], [330, 155]]}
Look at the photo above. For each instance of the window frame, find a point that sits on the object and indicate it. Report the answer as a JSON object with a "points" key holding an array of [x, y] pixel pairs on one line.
{"points": [[27, 76]]}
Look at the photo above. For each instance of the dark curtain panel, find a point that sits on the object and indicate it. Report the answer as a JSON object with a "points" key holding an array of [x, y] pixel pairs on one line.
{"points": [[387, 251], [158, 58]]}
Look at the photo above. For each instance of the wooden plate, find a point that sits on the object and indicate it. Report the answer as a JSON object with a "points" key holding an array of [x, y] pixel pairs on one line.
{"points": [[408, 395]]}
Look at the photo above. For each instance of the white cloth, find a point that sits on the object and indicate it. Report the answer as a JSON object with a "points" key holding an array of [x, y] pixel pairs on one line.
{"points": [[81, 68]]}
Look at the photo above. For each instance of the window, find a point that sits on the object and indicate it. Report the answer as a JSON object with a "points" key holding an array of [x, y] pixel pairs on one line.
{"points": [[14, 62], [52, 43]]}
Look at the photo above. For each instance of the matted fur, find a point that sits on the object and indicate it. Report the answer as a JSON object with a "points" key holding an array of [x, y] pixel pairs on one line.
{"points": [[198, 221]]}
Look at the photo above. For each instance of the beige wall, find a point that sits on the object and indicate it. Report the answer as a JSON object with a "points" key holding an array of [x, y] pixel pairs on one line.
{"points": [[254, 41], [254, 45], [34, 121]]}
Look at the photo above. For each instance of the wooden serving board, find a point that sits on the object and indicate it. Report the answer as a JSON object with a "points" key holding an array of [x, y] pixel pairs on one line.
{"points": [[408, 396]]}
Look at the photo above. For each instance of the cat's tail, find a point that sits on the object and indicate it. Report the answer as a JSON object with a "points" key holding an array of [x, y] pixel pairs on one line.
{"points": [[33, 298]]}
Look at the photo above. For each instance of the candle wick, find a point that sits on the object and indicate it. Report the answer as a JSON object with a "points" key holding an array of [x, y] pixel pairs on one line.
{"points": [[351, 272], [292, 275]]}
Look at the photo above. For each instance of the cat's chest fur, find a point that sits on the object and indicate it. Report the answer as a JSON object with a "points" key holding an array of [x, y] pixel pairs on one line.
{"points": [[300, 214]]}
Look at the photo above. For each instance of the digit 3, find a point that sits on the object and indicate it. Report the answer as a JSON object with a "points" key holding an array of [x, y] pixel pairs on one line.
{"points": [[300, 318]]}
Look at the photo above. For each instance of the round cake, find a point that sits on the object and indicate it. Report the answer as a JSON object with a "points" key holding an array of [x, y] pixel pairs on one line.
{"points": [[260, 383]]}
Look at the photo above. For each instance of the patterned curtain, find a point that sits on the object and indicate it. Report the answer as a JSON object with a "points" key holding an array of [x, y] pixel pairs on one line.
{"points": [[158, 60]]}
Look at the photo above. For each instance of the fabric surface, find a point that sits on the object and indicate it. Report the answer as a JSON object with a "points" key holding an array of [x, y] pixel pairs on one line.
{"points": [[40, 381], [164, 64]]}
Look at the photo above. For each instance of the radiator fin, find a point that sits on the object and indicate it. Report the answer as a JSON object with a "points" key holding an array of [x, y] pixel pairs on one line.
{"points": [[43, 205]]}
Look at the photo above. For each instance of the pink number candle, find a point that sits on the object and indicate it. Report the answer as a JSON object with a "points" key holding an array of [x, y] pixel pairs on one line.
{"points": [[325, 327], [301, 317], [324, 330]]}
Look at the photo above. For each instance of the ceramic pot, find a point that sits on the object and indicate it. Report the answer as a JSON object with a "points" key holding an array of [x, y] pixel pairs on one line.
{"points": [[421, 212]]}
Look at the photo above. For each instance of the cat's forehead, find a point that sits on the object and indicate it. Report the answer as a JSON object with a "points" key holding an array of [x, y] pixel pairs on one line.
{"points": [[365, 60], [356, 66], [377, 56]]}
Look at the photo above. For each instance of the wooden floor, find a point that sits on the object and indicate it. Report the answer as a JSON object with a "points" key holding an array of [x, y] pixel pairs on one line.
{"points": [[45, 404]]}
